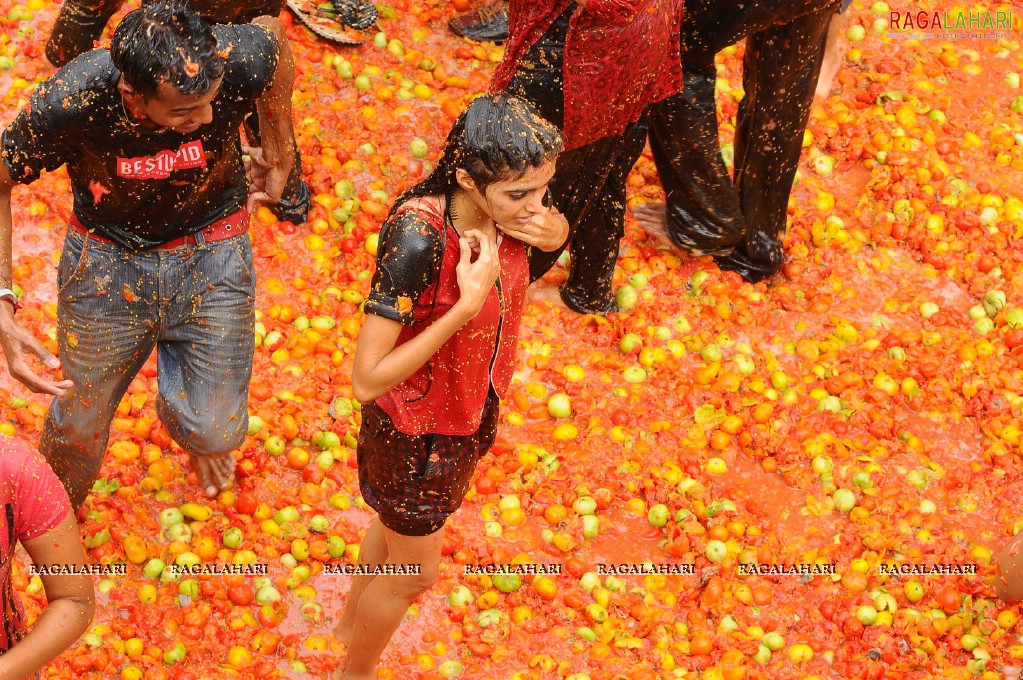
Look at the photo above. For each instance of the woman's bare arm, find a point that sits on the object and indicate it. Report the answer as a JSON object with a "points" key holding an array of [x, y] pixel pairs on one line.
{"points": [[70, 608]]}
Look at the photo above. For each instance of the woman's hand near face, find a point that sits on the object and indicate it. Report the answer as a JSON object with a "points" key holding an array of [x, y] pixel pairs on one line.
{"points": [[546, 230], [476, 278]]}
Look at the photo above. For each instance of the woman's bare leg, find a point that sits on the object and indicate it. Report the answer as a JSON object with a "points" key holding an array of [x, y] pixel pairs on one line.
{"points": [[380, 606]]}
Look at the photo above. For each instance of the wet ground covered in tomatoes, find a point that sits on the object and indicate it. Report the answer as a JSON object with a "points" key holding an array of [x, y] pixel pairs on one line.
{"points": [[858, 411]]}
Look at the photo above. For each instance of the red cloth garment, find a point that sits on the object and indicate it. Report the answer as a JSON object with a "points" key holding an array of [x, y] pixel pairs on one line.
{"points": [[447, 395], [620, 56], [32, 502]]}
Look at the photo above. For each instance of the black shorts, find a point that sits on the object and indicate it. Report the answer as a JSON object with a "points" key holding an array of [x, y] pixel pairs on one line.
{"points": [[415, 482]]}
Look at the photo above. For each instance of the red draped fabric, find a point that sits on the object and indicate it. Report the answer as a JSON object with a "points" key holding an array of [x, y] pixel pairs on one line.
{"points": [[620, 55]]}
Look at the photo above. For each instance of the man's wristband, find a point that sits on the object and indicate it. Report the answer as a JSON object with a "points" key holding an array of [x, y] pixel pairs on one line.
{"points": [[10, 296]]}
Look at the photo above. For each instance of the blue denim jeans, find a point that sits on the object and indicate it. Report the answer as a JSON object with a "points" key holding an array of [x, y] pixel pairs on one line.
{"points": [[195, 304]]}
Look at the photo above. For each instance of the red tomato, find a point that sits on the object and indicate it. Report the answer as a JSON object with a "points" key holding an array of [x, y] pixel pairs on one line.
{"points": [[241, 594], [246, 503]]}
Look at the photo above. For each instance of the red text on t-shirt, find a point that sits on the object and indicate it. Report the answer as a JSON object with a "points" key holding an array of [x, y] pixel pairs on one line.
{"points": [[159, 166]]}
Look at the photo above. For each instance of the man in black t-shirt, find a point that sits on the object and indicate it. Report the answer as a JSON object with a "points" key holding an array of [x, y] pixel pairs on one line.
{"points": [[80, 23], [157, 254]]}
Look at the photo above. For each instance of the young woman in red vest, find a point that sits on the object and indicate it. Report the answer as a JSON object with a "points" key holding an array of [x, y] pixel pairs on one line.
{"points": [[438, 347]]}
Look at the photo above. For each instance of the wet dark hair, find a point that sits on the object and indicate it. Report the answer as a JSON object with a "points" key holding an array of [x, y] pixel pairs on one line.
{"points": [[497, 137], [166, 42]]}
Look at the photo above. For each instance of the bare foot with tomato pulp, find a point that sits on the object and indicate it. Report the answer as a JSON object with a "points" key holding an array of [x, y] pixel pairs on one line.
{"points": [[650, 217], [1012, 672], [215, 473]]}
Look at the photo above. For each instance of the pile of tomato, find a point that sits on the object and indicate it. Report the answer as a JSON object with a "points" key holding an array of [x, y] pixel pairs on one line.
{"points": [[860, 410]]}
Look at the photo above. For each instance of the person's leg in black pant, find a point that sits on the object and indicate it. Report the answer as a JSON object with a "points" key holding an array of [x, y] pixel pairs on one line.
{"points": [[702, 213], [779, 76], [589, 188]]}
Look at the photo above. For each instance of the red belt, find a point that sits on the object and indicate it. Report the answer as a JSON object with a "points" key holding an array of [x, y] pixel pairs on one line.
{"points": [[235, 224]]}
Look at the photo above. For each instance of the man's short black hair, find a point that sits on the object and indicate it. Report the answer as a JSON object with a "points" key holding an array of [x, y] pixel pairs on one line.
{"points": [[166, 42]]}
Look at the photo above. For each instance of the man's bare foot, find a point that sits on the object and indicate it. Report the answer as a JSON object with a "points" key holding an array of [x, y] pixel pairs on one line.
{"points": [[650, 216], [1012, 672], [832, 60], [215, 473], [826, 80]]}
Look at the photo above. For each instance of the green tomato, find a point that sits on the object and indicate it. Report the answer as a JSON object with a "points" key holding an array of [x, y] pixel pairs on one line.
{"points": [[773, 641], [267, 595], [634, 374], [175, 654], [913, 590], [286, 514], [451, 668], [318, 524], [844, 499], [154, 568], [179, 532], [584, 505], [589, 581], [559, 405], [189, 587], [627, 297], [460, 597], [715, 551], [856, 33], [711, 353], [255, 425], [639, 281], [275, 445], [866, 615], [488, 618], [779, 380], [630, 343], [657, 515], [419, 148], [170, 516], [830, 403], [507, 583]]}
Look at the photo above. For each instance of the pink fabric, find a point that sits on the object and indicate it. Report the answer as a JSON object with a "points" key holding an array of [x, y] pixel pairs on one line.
{"points": [[32, 502], [620, 56]]}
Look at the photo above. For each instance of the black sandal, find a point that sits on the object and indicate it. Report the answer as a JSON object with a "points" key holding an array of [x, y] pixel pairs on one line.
{"points": [[486, 24], [577, 304], [338, 22]]}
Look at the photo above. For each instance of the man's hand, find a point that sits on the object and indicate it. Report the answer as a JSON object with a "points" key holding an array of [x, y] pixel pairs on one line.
{"points": [[266, 180], [18, 344], [546, 230]]}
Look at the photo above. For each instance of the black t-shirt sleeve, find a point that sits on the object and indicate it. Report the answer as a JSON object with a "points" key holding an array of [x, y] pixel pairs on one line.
{"points": [[38, 138], [408, 261], [251, 52]]}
